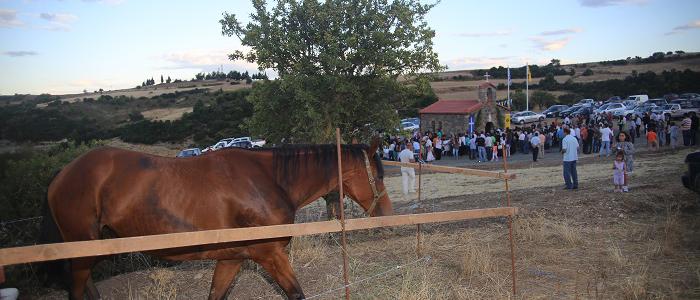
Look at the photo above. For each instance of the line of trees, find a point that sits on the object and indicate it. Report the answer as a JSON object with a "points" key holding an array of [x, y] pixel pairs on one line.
{"points": [[233, 75], [500, 72]]}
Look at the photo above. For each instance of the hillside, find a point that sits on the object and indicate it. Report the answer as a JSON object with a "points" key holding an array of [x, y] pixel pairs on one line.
{"points": [[450, 89], [203, 111]]}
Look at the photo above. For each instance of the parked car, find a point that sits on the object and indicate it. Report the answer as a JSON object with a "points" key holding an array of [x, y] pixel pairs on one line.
{"points": [[567, 112], [691, 177], [688, 105], [657, 101], [613, 99], [415, 121], [601, 108], [526, 117], [670, 111], [583, 111], [625, 112], [190, 152], [554, 110], [258, 143], [641, 110], [410, 126], [241, 144], [689, 95], [639, 98], [585, 102], [613, 107], [670, 96]]}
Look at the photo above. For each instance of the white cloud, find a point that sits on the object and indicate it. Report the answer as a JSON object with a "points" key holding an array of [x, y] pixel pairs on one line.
{"points": [[486, 33], [478, 62], [19, 53], [205, 60], [8, 19], [550, 45], [561, 31], [603, 3], [58, 21], [678, 29]]}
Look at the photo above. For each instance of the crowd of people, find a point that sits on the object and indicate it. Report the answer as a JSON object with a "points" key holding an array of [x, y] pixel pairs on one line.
{"points": [[601, 134]]}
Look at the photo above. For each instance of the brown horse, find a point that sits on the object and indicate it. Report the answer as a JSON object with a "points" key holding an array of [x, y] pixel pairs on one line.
{"points": [[111, 192]]}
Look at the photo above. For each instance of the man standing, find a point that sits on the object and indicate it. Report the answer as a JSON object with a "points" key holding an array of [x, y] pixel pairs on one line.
{"points": [[521, 141], [480, 144], [685, 128], [408, 174], [585, 139], [569, 146], [543, 139], [605, 135], [535, 142], [488, 143]]}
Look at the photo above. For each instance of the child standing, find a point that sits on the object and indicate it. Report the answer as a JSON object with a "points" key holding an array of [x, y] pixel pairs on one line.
{"points": [[494, 151], [652, 142], [619, 171], [675, 133]]}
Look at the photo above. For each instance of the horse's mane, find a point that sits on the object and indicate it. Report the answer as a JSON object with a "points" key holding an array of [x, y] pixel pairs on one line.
{"points": [[287, 160]]}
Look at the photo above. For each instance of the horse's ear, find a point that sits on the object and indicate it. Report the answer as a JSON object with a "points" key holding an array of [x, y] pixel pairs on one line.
{"points": [[374, 144]]}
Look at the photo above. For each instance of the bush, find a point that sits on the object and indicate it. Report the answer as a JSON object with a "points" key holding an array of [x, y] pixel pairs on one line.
{"points": [[587, 72]]}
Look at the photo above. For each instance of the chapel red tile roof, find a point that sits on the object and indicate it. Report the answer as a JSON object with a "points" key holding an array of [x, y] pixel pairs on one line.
{"points": [[452, 107]]}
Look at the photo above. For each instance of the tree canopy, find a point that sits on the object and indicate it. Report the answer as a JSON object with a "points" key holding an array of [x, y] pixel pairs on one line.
{"points": [[338, 63]]}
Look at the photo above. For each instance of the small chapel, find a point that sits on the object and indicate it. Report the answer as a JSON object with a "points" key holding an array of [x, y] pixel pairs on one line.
{"points": [[459, 116]]}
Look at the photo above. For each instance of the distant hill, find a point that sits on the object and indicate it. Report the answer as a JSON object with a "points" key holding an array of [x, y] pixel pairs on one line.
{"points": [[462, 84]]}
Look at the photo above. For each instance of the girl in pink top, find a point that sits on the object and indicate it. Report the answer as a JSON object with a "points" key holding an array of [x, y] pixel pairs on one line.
{"points": [[619, 171]]}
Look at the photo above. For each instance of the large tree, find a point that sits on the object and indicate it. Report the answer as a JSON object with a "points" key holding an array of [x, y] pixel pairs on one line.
{"points": [[339, 64]]}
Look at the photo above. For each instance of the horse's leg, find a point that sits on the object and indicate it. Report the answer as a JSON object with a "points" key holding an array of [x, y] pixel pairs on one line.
{"points": [[92, 291], [224, 274], [276, 263], [80, 269]]}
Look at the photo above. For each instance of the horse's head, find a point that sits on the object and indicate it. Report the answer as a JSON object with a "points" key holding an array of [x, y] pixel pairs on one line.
{"points": [[365, 184]]}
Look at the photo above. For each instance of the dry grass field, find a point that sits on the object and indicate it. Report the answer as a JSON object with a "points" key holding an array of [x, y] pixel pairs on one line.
{"points": [[166, 114], [586, 244], [156, 90]]}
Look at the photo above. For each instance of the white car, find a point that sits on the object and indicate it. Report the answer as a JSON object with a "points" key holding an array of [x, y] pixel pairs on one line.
{"points": [[526, 117], [614, 107], [669, 111], [627, 111], [409, 126]]}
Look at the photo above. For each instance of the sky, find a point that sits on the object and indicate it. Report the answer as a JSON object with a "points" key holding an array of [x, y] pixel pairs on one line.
{"points": [[66, 46]]}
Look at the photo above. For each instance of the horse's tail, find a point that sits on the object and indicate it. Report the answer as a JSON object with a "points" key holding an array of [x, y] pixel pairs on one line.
{"points": [[57, 271]]}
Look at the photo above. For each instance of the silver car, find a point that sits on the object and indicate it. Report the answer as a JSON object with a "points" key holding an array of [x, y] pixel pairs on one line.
{"points": [[527, 117]]}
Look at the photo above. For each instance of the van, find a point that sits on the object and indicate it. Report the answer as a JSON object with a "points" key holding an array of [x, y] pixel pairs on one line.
{"points": [[639, 98]]}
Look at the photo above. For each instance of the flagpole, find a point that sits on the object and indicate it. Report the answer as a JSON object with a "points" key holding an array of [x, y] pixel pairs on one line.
{"points": [[508, 102], [527, 87]]}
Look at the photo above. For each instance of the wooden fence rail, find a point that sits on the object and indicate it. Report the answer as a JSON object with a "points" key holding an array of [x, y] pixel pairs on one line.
{"points": [[453, 170], [46, 252]]}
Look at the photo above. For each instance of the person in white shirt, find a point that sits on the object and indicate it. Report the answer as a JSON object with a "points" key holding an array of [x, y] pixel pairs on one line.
{"points": [[408, 174], [569, 147], [535, 142], [521, 141], [392, 149], [488, 144], [605, 135]]}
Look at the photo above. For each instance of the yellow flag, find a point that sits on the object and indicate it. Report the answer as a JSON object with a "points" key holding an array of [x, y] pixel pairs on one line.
{"points": [[529, 75]]}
